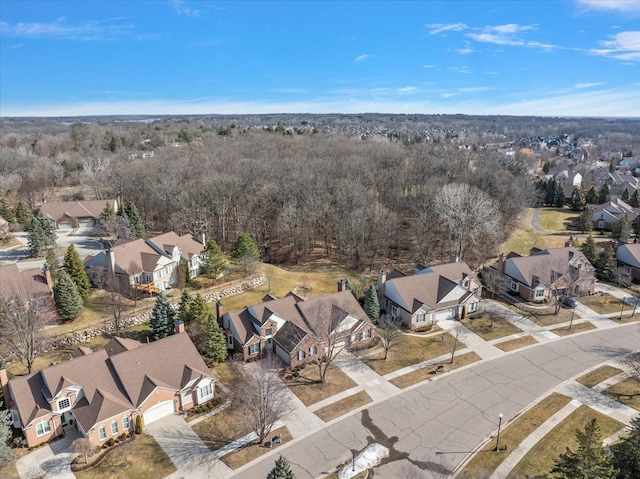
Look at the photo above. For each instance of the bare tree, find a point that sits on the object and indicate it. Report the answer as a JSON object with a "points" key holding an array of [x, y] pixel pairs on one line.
{"points": [[269, 273], [22, 323], [390, 334], [83, 446], [134, 270], [112, 301], [113, 228], [262, 397], [452, 340], [493, 282]]}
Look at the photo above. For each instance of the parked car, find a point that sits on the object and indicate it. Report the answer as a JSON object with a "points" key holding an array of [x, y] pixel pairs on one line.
{"points": [[569, 302]]}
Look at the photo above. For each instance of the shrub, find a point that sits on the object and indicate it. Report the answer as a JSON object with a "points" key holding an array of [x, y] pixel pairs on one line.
{"points": [[123, 436], [111, 441], [138, 424]]}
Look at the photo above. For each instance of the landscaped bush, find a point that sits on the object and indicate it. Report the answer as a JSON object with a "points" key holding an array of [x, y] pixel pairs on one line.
{"points": [[138, 424], [111, 441], [123, 436]]}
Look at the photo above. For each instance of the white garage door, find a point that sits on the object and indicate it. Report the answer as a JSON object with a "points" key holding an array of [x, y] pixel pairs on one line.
{"points": [[158, 411], [65, 225], [446, 314], [87, 223]]}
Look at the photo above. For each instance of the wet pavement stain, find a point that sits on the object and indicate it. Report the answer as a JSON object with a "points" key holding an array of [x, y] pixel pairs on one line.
{"points": [[378, 436]]}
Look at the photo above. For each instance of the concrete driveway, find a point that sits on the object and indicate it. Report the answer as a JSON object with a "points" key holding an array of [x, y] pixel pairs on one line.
{"points": [[184, 447], [52, 461]]}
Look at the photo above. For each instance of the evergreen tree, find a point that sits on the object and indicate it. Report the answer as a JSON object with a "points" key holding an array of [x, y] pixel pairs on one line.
{"points": [[635, 226], [73, 265], [621, 229], [592, 197], [372, 305], [23, 213], [589, 461], [52, 264], [282, 470], [135, 220], [577, 201], [68, 299], [40, 235], [559, 195], [585, 223], [546, 167], [215, 346], [350, 287], [606, 264], [183, 306], [6, 212], [589, 250], [635, 199], [245, 251], [214, 261], [550, 196], [163, 318], [107, 212], [625, 195], [6, 452], [626, 454], [197, 310], [604, 193]]}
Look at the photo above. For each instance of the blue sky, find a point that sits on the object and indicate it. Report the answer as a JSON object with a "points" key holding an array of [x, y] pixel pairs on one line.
{"points": [[560, 58]]}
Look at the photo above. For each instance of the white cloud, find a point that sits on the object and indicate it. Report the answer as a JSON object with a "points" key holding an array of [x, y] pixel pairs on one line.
{"points": [[428, 66], [436, 28], [623, 6], [465, 51], [580, 86], [59, 29], [362, 58], [508, 34], [407, 89], [623, 46], [13, 47], [181, 8], [464, 70]]}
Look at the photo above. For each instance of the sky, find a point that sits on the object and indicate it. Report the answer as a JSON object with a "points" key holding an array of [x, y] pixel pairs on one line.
{"points": [[544, 58]]}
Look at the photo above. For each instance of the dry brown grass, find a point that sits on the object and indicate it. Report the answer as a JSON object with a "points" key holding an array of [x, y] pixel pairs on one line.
{"points": [[546, 316], [626, 392], [250, 452], [604, 304], [146, 461], [412, 350], [540, 459], [222, 428], [487, 330], [9, 471], [310, 390], [576, 328], [517, 343], [487, 460], [598, 375], [339, 408], [429, 372]]}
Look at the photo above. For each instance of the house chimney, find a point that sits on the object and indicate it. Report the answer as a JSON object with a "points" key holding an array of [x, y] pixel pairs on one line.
{"points": [[382, 277], [342, 286], [200, 238], [4, 382], [179, 326], [501, 259], [454, 258], [219, 311], [47, 276], [567, 243], [112, 260]]}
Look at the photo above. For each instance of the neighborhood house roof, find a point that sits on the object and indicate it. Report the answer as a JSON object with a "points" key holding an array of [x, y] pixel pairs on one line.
{"points": [[76, 209], [14, 281], [629, 254]]}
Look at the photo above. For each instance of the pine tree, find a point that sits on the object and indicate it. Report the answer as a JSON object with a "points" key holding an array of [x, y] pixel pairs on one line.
{"points": [[606, 264], [135, 220], [604, 193], [621, 229], [246, 252], [107, 212], [215, 347], [214, 262], [372, 305], [635, 199], [585, 223], [67, 297], [197, 311], [52, 264], [23, 213], [350, 287], [626, 454], [183, 306], [282, 470], [577, 201], [163, 318], [550, 196], [73, 265], [40, 235], [592, 197], [6, 212], [625, 195], [6, 452], [589, 250], [559, 195], [589, 461]]}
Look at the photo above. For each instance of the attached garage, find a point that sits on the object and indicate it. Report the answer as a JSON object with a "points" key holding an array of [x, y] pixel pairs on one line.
{"points": [[90, 223], [160, 410], [446, 314], [65, 225]]}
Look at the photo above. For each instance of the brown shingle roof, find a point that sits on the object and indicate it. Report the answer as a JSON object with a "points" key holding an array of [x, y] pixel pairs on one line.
{"points": [[188, 246], [30, 282], [75, 209]]}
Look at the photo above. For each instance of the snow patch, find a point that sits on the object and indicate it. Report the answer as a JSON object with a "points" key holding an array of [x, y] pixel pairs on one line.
{"points": [[368, 458]]}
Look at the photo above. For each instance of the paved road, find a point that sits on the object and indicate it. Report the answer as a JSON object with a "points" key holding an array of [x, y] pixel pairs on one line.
{"points": [[433, 427]]}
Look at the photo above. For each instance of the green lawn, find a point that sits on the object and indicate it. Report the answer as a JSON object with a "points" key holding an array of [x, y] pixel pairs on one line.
{"points": [[556, 219]]}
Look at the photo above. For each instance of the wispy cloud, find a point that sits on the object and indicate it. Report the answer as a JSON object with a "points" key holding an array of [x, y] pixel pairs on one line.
{"points": [[623, 46], [464, 70], [623, 6], [465, 51], [509, 34], [112, 29], [428, 66], [362, 58], [437, 28], [407, 89], [181, 8], [580, 86], [13, 47], [460, 91]]}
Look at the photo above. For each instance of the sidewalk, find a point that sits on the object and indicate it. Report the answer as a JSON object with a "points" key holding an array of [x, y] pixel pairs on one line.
{"points": [[540, 334], [470, 339], [378, 387]]}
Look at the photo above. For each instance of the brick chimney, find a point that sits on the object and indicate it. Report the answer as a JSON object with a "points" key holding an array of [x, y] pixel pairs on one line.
{"points": [[47, 277], [179, 326], [501, 259], [567, 243], [342, 286], [4, 382], [219, 311]]}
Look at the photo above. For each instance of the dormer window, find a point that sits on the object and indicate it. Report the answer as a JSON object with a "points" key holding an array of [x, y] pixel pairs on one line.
{"points": [[64, 404]]}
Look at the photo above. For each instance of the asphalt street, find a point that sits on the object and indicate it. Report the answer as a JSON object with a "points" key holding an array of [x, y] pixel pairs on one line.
{"points": [[431, 428]]}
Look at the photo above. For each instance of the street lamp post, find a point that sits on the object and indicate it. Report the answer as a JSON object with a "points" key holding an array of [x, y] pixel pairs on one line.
{"points": [[498, 435], [622, 309]]}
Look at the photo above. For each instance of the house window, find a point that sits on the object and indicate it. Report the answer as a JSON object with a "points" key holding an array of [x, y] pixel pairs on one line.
{"points": [[254, 349], [313, 350], [64, 404], [43, 428], [514, 286], [114, 428], [301, 355], [366, 334], [102, 433], [420, 318], [125, 423], [205, 391], [539, 293], [15, 418], [229, 341], [473, 307], [394, 311], [268, 332]]}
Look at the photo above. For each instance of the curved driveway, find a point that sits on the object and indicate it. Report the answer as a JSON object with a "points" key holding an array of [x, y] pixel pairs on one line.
{"points": [[432, 427]]}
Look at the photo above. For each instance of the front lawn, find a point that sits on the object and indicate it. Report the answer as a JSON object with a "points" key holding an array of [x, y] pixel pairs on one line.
{"points": [[598, 375], [142, 458], [541, 458], [310, 390], [546, 316], [222, 428], [248, 453], [342, 407], [627, 392], [412, 350], [517, 343], [488, 330], [576, 328], [429, 372], [604, 304]]}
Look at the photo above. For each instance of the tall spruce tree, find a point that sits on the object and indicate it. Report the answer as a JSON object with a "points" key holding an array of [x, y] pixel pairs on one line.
{"points": [[40, 235], [282, 470], [214, 262], [558, 195], [23, 213], [246, 252], [606, 264], [372, 304], [197, 311], [585, 223], [215, 345], [604, 193], [350, 287], [6, 212], [626, 454], [589, 250], [163, 318], [67, 297], [621, 230], [592, 197], [52, 264], [183, 306], [577, 201], [135, 220], [73, 265], [635, 199]]}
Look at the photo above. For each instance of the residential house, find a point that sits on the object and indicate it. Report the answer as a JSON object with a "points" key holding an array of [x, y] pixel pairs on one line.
{"points": [[31, 284], [628, 259], [618, 183], [433, 293], [545, 274], [149, 265], [101, 393], [297, 329], [606, 215], [74, 214], [569, 178]]}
